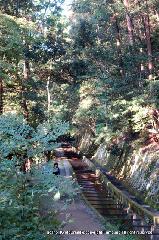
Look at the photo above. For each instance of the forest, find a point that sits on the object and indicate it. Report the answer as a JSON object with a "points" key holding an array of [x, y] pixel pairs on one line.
{"points": [[92, 75]]}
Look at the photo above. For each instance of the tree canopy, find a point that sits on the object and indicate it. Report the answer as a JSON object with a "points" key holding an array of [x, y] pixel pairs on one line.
{"points": [[94, 73]]}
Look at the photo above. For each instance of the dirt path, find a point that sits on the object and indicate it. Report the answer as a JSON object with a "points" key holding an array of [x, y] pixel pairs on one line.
{"points": [[83, 219]]}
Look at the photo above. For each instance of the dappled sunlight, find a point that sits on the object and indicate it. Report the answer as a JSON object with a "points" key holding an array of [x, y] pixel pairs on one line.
{"points": [[56, 197], [144, 174], [86, 103], [78, 85], [139, 170]]}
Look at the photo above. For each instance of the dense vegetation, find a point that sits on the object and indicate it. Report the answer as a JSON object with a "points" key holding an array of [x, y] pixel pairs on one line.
{"points": [[94, 75], [117, 43], [99, 70]]}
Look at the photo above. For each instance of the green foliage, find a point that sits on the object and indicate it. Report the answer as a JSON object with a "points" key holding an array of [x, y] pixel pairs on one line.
{"points": [[47, 134], [123, 99], [38, 39], [10, 39], [86, 72], [23, 215], [16, 136]]}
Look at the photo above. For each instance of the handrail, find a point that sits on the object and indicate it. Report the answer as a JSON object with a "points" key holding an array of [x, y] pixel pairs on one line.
{"points": [[154, 217], [139, 209]]}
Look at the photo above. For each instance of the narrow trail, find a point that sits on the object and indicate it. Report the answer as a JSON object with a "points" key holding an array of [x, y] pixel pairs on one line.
{"points": [[83, 222], [99, 197], [83, 219]]}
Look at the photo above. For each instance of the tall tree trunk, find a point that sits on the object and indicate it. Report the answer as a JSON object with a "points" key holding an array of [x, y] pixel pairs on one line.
{"points": [[142, 69], [17, 7], [48, 89], [146, 21], [129, 22], [119, 51], [26, 69], [48, 95], [147, 32], [1, 95], [26, 73]]}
